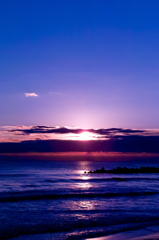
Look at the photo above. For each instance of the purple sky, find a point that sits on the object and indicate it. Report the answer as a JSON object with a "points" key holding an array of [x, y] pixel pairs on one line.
{"points": [[91, 64]]}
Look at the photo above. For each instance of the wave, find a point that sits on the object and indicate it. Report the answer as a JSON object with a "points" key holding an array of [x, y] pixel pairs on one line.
{"points": [[24, 196], [14, 175], [79, 229], [100, 179]]}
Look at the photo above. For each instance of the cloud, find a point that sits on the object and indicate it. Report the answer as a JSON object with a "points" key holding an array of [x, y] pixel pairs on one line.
{"points": [[98, 133], [46, 129], [129, 144], [31, 94], [120, 131], [52, 139]]}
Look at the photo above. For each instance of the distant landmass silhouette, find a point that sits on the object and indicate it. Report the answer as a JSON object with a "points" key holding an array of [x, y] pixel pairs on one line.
{"points": [[126, 170]]}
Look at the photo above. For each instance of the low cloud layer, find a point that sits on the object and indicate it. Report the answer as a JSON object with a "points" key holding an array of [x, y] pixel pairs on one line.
{"points": [[21, 133], [63, 139], [109, 132]]}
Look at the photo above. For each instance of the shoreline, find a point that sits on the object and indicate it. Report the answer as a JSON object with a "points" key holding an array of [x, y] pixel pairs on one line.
{"points": [[148, 233]]}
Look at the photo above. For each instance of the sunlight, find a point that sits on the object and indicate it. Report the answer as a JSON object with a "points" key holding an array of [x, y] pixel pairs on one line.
{"points": [[84, 185], [85, 177], [85, 136]]}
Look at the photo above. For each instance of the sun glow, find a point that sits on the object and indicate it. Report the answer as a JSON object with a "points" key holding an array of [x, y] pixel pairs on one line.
{"points": [[85, 136]]}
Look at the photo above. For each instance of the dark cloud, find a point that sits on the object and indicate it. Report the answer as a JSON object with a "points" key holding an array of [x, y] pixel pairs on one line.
{"points": [[133, 144], [46, 139], [113, 131], [46, 129], [64, 130]]}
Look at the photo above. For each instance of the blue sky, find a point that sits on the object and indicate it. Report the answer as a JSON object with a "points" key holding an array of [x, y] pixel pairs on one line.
{"points": [[89, 63]]}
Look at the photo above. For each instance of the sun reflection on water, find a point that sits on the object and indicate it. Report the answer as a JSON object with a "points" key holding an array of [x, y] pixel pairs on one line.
{"points": [[83, 205], [85, 177], [84, 185], [86, 205]]}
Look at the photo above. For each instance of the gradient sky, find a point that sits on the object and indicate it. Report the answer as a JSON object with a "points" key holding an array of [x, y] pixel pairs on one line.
{"points": [[86, 63]]}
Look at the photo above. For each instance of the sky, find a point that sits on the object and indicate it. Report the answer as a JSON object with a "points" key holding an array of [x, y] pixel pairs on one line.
{"points": [[79, 63]]}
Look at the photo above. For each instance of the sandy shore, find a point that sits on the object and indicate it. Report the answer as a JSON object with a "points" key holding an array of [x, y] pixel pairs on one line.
{"points": [[150, 233]]}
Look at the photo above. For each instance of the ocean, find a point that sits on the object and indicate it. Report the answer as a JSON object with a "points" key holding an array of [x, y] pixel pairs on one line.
{"points": [[55, 199]]}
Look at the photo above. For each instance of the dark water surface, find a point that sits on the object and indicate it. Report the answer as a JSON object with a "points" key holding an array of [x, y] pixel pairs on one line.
{"points": [[43, 199]]}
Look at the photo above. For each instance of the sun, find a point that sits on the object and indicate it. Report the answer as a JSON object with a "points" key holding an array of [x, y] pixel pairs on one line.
{"points": [[85, 136]]}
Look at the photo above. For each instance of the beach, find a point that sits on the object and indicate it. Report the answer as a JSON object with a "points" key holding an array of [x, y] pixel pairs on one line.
{"points": [[149, 233]]}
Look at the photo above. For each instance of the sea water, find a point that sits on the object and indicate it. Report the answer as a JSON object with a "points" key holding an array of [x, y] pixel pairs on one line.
{"points": [[55, 199]]}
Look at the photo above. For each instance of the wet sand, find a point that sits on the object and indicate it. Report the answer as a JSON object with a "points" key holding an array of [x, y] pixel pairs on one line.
{"points": [[150, 233]]}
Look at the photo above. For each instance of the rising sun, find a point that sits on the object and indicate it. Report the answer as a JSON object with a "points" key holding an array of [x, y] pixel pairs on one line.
{"points": [[85, 136]]}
